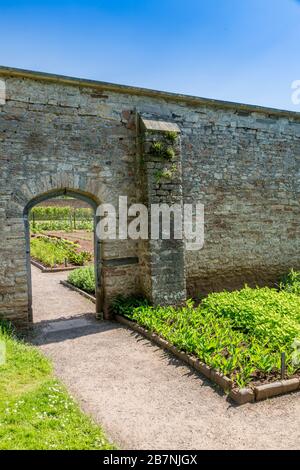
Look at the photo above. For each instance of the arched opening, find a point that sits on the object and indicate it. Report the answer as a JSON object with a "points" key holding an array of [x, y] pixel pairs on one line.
{"points": [[51, 196]]}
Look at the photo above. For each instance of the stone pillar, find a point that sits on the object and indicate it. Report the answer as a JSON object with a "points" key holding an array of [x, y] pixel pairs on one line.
{"points": [[159, 172]]}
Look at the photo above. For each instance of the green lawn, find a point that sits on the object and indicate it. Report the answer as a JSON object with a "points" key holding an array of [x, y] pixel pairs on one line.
{"points": [[36, 411]]}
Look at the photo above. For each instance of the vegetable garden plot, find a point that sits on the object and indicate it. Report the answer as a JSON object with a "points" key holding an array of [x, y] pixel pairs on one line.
{"points": [[240, 334], [56, 252]]}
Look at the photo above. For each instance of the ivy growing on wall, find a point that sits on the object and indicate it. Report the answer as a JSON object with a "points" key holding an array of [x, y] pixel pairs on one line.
{"points": [[164, 148], [166, 173]]}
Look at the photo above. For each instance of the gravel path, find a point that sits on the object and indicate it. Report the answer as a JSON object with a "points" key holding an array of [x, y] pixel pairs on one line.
{"points": [[52, 301], [143, 397]]}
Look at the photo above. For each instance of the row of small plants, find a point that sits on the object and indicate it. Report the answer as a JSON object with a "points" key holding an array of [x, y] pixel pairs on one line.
{"points": [[55, 251], [241, 334], [60, 213], [83, 278], [60, 218], [61, 225]]}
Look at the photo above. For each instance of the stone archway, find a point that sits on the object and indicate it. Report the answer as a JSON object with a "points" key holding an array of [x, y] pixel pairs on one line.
{"points": [[117, 260], [93, 203]]}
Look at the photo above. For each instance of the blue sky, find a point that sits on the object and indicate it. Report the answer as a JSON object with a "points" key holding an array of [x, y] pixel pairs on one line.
{"points": [[237, 50]]}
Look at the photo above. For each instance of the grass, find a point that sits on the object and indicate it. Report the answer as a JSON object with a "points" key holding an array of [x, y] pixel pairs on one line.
{"points": [[54, 251], [84, 279], [36, 411], [242, 334]]}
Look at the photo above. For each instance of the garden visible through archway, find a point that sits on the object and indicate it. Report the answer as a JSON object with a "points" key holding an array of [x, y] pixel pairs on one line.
{"points": [[61, 248]]}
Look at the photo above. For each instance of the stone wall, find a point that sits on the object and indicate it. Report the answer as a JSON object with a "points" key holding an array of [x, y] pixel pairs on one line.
{"points": [[245, 169], [60, 202], [241, 162], [54, 137]]}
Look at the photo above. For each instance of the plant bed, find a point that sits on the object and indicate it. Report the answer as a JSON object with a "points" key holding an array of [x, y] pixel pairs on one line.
{"points": [[240, 396], [90, 297], [80, 237], [52, 254], [235, 339], [83, 279], [44, 268]]}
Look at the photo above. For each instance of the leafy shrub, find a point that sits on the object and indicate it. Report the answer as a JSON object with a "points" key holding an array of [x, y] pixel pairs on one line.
{"points": [[84, 279], [241, 334], [125, 305], [79, 259], [291, 282]]}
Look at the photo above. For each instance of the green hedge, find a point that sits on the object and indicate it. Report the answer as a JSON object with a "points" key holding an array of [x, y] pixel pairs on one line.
{"points": [[60, 213], [61, 218]]}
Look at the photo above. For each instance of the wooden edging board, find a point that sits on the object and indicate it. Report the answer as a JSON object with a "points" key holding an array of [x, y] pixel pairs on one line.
{"points": [[240, 396]]}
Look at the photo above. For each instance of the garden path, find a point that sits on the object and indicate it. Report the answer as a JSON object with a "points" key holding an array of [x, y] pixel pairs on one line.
{"points": [[143, 397]]}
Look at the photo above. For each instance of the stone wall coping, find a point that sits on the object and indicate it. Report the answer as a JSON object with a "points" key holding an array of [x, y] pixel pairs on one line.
{"points": [[159, 126], [132, 90], [44, 269]]}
